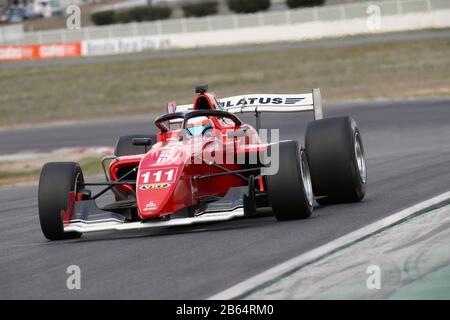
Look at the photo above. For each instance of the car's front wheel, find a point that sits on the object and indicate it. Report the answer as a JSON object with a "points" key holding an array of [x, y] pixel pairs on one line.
{"points": [[290, 190], [57, 181]]}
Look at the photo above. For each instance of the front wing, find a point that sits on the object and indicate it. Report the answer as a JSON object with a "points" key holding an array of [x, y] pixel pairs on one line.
{"points": [[109, 224], [87, 217]]}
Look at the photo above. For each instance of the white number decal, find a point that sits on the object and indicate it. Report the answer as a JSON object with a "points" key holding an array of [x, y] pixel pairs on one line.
{"points": [[158, 176], [146, 177], [169, 175]]}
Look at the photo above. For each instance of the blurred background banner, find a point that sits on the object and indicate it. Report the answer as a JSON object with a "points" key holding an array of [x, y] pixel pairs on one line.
{"points": [[107, 46], [40, 51]]}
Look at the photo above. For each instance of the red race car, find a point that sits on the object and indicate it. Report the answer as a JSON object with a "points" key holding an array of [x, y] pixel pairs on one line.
{"points": [[206, 165]]}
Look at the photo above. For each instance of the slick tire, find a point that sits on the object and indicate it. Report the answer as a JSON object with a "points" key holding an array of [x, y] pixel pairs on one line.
{"points": [[290, 190], [57, 181], [336, 160]]}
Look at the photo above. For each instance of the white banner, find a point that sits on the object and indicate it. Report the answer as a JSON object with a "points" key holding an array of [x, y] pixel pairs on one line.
{"points": [[99, 47]]}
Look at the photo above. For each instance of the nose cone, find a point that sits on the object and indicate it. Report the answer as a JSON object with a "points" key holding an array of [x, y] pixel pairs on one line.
{"points": [[158, 182]]}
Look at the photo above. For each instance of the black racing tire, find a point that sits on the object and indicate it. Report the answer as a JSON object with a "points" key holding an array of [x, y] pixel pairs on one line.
{"points": [[290, 190], [125, 147], [336, 160], [56, 182]]}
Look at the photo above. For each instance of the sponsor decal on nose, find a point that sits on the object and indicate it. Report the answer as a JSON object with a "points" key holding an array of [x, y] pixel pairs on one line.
{"points": [[154, 186], [150, 206]]}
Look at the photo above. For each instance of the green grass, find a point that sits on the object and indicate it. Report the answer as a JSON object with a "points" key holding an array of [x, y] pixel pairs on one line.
{"points": [[89, 166], [33, 95]]}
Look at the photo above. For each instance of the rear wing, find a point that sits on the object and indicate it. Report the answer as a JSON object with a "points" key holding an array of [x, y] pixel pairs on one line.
{"points": [[257, 103]]}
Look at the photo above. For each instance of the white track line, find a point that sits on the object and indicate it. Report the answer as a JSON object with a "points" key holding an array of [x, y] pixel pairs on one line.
{"points": [[249, 285]]}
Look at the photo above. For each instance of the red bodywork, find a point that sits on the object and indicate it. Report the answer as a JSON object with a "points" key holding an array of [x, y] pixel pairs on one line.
{"points": [[164, 181]]}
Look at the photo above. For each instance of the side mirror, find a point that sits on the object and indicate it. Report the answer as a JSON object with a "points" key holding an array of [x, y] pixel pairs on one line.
{"points": [[142, 142]]}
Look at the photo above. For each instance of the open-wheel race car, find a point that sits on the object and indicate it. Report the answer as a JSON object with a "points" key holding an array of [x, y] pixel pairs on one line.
{"points": [[201, 154]]}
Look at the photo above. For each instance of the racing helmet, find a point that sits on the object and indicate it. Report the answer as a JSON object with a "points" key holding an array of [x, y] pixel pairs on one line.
{"points": [[198, 127]]}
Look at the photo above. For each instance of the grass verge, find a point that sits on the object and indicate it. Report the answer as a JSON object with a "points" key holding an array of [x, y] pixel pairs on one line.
{"points": [[89, 166], [33, 95]]}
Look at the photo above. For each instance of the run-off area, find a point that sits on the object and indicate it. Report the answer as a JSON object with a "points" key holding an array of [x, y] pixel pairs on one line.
{"points": [[410, 260]]}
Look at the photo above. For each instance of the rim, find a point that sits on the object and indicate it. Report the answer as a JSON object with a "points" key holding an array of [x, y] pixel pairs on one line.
{"points": [[306, 179], [360, 159], [78, 183]]}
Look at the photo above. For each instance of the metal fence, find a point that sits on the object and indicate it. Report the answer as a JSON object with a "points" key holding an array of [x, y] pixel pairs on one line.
{"points": [[11, 33], [210, 23]]}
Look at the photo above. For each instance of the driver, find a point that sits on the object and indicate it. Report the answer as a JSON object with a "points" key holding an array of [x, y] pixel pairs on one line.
{"points": [[201, 126]]}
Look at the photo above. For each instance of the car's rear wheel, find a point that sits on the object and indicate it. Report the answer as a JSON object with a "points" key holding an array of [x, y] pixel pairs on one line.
{"points": [[290, 190], [336, 158], [125, 147], [57, 181]]}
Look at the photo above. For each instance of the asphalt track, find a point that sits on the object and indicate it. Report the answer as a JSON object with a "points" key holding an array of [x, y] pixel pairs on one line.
{"points": [[408, 156], [230, 50]]}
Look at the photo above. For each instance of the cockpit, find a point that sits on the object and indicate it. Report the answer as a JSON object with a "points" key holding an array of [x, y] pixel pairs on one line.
{"points": [[200, 119]]}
